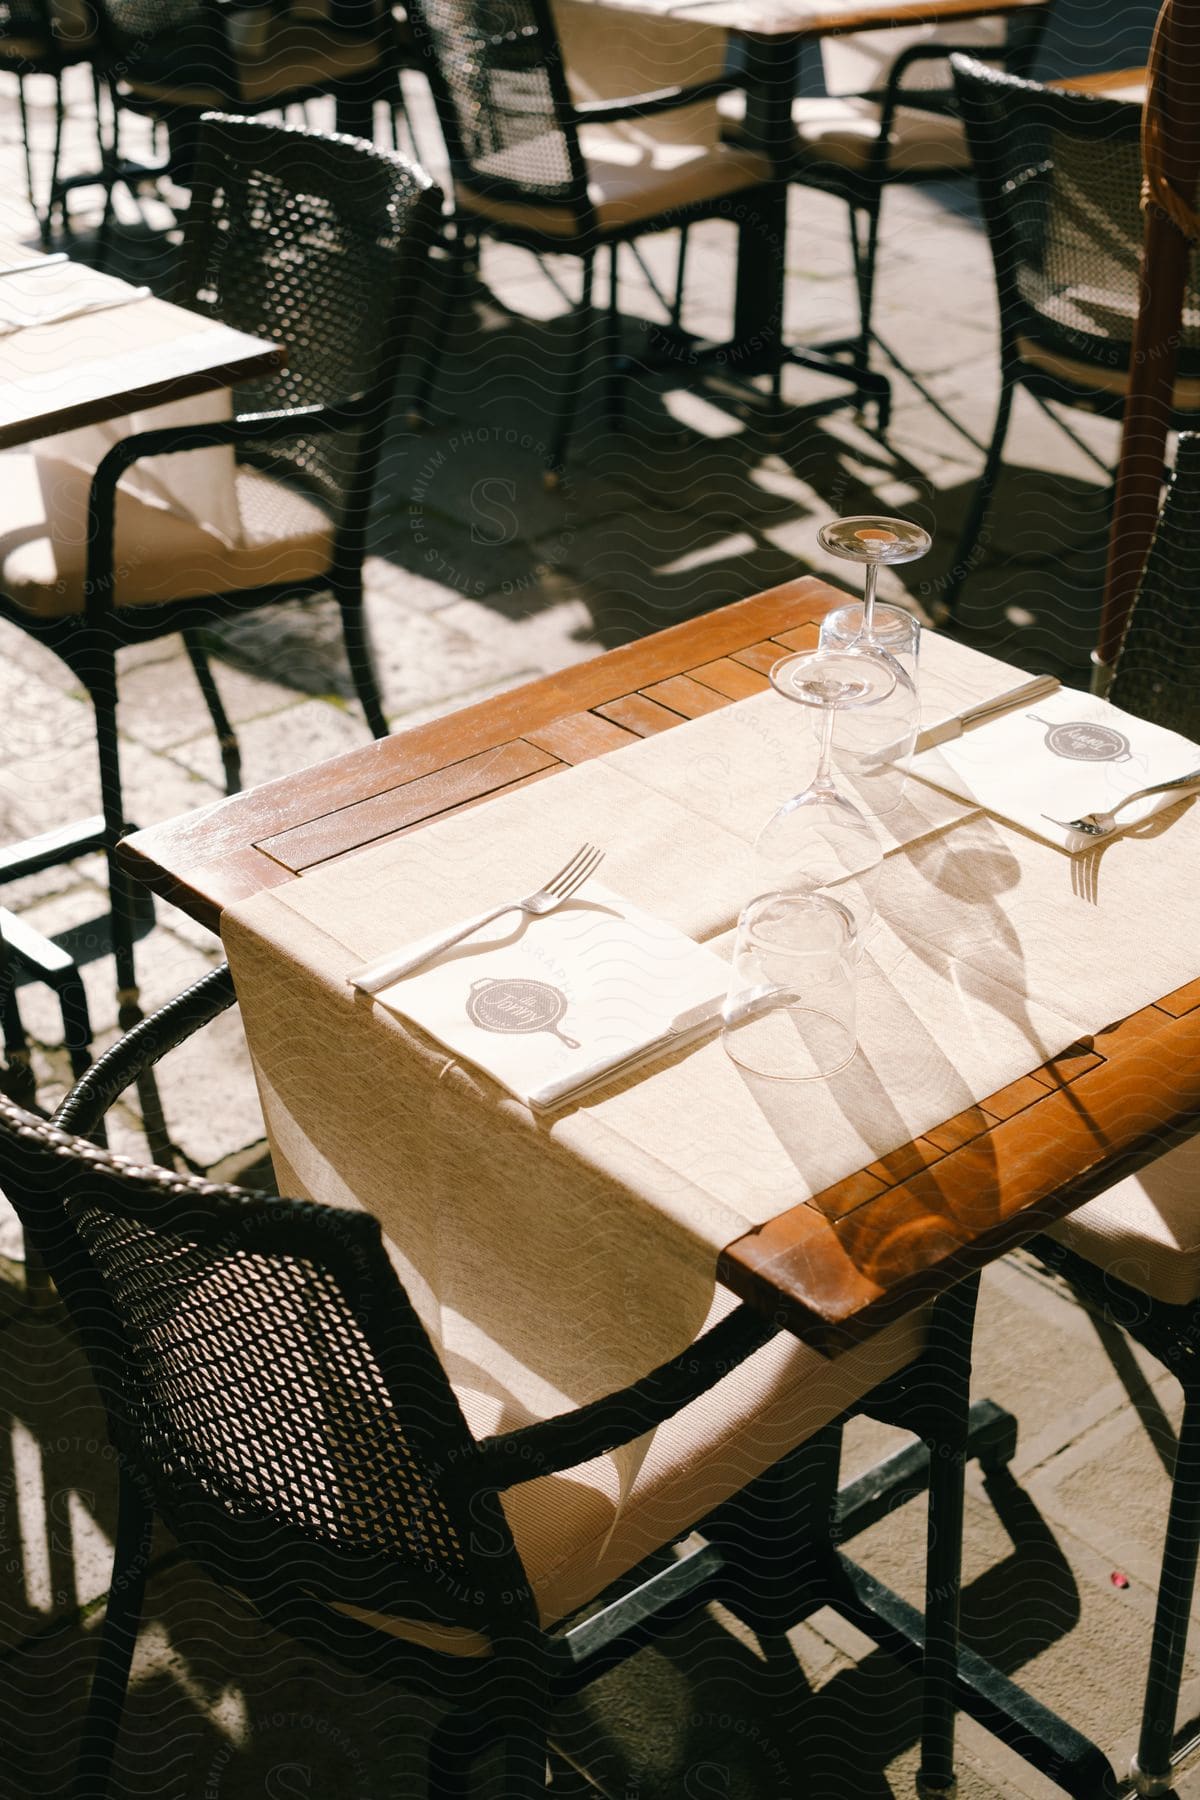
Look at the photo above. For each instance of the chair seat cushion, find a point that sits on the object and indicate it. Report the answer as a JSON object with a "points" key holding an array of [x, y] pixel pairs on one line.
{"points": [[1145, 1230], [158, 555], [630, 182], [1084, 373], [286, 56], [844, 131], [574, 1539]]}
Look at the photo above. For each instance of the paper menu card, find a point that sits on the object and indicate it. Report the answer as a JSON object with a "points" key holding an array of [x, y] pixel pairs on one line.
{"points": [[547, 1006], [1063, 756]]}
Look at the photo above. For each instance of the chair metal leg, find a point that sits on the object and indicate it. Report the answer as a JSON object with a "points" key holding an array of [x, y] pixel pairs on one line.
{"points": [[614, 383], [865, 256], [1152, 1767], [362, 663], [102, 685], [946, 1435], [581, 321], [231, 756], [46, 219], [972, 530], [19, 1080], [27, 142], [135, 1524], [453, 282], [680, 273]]}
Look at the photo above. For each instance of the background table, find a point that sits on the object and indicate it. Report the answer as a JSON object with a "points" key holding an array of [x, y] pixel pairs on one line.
{"points": [[104, 364], [842, 1264], [774, 33]]}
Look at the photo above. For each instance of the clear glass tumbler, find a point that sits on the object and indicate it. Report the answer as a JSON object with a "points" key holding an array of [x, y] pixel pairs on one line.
{"points": [[790, 1011]]}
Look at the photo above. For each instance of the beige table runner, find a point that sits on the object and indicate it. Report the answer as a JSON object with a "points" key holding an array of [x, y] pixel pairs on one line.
{"points": [[582, 1247]]}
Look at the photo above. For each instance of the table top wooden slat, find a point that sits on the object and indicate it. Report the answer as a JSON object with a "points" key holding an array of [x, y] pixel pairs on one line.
{"points": [[841, 1265]]}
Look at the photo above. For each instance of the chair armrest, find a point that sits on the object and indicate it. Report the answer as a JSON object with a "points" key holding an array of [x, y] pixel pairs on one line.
{"points": [[576, 1437], [248, 428], [645, 106], [894, 94], [140, 1048]]}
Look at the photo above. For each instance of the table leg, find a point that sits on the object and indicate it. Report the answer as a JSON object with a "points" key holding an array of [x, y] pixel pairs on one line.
{"points": [[771, 66]]}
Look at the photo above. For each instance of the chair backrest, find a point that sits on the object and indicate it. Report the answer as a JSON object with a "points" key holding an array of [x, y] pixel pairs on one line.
{"points": [[1060, 178], [499, 82], [1157, 674], [651, 53], [320, 242], [265, 1375], [174, 43]]}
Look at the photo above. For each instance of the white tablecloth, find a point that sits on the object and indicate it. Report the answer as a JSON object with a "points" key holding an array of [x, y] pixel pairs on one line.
{"points": [[582, 1249]]}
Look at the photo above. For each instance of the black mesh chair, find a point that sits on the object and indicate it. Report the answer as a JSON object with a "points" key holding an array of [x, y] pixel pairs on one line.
{"points": [[273, 1397], [522, 173], [172, 60], [1060, 180], [320, 243], [1133, 1254]]}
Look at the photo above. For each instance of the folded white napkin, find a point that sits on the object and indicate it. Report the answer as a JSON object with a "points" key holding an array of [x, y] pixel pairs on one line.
{"points": [[57, 290], [550, 1006], [1064, 755]]}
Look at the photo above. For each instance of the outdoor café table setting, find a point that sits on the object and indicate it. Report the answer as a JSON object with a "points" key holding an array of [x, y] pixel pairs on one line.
{"points": [[466, 1103]]}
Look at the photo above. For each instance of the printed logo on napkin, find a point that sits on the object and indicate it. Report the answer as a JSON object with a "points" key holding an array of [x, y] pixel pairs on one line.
{"points": [[534, 1002], [1066, 755]]}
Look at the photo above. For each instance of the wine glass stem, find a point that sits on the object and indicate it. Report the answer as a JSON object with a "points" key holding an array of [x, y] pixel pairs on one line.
{"points": [[868, 629], [823, 779]]}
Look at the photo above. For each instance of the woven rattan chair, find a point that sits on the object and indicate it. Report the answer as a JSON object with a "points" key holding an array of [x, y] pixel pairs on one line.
{"points": [[534, 166], [321, 244], [273, 1397], [1134, 1252], [1060, 178]]}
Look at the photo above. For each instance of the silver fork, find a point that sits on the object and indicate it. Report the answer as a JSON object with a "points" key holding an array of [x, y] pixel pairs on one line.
{"points": [[1101, 824], [560, 887]]}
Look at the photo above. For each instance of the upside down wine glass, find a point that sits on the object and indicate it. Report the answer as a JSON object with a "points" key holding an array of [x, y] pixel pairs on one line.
{"points": [[819, 842], [874, 748]]}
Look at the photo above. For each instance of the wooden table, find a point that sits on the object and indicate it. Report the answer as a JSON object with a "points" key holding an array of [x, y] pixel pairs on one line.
{"points": [[105, 364], [844, 1263]]}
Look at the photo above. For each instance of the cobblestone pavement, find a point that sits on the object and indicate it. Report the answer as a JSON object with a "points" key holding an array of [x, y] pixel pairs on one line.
{"points": [[479, 579]]}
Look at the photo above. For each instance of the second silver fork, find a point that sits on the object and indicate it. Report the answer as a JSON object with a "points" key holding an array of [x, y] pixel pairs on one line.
{"points": [[560, 887], [1103, 824]]}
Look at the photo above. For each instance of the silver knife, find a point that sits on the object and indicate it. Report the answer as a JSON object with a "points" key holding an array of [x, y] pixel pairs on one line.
{"points": [[686, 1028], [1035, 689]]}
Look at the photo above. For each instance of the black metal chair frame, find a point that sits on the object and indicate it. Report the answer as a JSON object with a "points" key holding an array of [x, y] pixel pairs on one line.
{"points": [[862, 190], [540, 45], [88, 642], [1086, 116], [771, 1555], [1157, 676], [54, 58], [213, 63]]}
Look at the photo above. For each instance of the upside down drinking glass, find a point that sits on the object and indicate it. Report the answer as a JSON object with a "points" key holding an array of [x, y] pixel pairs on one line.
{"points": [[873, 749], [819, 842]]}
